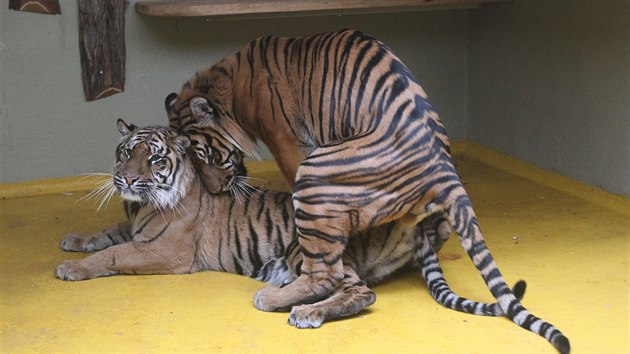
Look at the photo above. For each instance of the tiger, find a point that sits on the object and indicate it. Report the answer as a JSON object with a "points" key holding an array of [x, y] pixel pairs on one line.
{"points": [[360, 145], [175, 225], [366, 255]]}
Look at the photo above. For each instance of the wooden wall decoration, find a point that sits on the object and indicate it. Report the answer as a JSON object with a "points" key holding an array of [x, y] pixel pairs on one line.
{"points": [[50, 7], [102, 47]]}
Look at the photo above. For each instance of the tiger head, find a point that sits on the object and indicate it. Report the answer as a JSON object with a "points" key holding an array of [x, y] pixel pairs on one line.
{"points": [[151, 165], [205, 113], [218, 161]]}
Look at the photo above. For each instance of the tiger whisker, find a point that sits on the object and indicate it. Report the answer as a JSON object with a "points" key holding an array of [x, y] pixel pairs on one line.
{"points": [[154, 200], [248, 189], [181, 196], [237, 194], [107, 197], [103, 192], [239, 197], [250, 178], [246, 180], [233, 194], [175, 204], [248, 193], [101, 188], [95, 176]]}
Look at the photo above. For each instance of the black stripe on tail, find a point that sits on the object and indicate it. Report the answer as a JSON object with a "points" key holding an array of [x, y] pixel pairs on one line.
{"points": [[463, 219], [434, 277]]}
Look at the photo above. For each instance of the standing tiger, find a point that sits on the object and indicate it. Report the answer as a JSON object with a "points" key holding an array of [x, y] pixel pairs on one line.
{"points": [[175, 225], [358, 141]]}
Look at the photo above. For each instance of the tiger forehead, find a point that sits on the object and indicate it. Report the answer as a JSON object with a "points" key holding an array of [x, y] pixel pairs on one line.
{"points": [[152, 141]]}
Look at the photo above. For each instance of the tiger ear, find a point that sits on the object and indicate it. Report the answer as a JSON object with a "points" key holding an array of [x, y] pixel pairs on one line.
{"points": [[181, 143], [124, 128], [205, 116], [169, 103], [201, 110]]}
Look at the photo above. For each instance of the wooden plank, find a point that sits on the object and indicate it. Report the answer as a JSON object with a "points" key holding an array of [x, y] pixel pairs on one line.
{"points": [[102, 47], [225, 8]]}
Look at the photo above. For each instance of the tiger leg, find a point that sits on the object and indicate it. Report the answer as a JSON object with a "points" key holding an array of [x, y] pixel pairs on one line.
{"points": [[437, 230], [350, 297], [322, 269], [130, 258], [461, 215], [113, 235], [327, 211]]}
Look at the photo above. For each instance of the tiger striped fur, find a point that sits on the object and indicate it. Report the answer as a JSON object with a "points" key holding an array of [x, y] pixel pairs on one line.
{"points": [[176, 226], [371, 255], [357, 139]]}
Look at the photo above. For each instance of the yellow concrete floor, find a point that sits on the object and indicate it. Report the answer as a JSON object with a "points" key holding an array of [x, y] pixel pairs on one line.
{"points": [[572, 251]]}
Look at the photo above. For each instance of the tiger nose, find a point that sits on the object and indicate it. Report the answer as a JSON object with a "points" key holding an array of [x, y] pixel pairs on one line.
{"points": [[130, 180]]}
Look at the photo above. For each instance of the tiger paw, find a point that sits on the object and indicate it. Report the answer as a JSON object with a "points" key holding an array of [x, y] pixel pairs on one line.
{"points": [[77, 243], [305, 316], [72, 243], [72, 270], [264, 299], [300, 291]]}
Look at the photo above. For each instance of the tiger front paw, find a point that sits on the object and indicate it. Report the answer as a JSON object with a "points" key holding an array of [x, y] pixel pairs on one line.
{"points": [[77, 243], [306, 316], [270, 299], [73, 270], [72, 243]]}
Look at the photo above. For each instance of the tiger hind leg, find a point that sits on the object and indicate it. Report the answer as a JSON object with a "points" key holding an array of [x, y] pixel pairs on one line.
{"points": [[320, 274], [327, 211], [350, 297], [437, 230]]}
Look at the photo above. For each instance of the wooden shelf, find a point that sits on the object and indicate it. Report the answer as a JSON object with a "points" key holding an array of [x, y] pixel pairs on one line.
{"points": [[253, 8]]}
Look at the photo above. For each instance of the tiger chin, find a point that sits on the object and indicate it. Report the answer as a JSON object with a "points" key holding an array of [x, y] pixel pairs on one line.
{"points": [[179, 222]]}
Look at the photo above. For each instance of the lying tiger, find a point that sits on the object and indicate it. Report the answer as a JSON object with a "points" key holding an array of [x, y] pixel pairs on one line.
{"points": [[175, 225]]}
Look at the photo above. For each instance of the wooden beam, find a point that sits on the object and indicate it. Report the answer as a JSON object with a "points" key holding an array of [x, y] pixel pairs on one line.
{"points": [[224, 8], [102, 47]]}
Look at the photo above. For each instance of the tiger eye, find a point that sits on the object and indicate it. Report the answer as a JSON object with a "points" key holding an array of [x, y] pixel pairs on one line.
{"points": [[216, 158], [155, 159]]}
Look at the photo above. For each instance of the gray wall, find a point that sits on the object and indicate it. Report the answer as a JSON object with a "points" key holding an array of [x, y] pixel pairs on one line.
{"points": [[48, 129], [549, 82], [546, 81]]}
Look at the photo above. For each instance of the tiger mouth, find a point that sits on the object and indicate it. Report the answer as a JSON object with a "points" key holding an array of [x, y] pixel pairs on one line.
{"points": [[130, 194]]}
